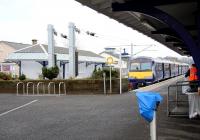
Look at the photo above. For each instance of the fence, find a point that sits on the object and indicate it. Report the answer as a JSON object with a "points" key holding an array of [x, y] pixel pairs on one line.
{"points": [[177, 99]]}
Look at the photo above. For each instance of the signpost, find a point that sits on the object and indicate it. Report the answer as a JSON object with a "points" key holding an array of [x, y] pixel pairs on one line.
{"points": [[110, 61], [104, 82], [120, 72]]}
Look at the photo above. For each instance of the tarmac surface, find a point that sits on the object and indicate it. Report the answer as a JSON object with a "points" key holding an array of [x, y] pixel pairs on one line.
{"points": [[88, 117]]}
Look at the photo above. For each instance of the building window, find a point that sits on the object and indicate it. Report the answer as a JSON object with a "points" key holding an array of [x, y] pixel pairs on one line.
{"points": [[6, 67]]}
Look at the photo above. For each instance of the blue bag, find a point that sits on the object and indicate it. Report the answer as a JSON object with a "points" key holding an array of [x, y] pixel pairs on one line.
{"points": [[148, 102]]}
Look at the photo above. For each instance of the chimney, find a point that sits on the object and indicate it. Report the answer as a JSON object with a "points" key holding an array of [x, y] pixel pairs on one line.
{"points": [[34, 41]]}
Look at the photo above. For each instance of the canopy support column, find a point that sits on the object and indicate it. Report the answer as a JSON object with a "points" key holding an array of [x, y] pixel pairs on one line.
{"points": [[20, 68], [167, 19], [63, 71]]}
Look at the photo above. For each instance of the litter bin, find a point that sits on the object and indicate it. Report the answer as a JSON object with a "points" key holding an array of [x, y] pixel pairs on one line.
{"points": [[148, 103]]}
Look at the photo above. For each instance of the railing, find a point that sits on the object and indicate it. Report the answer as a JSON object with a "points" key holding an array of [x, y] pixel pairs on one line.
{"points": [[38, 87], [177, 100], [64, 88], [41, 87], [49, 87], [27, 87], [23, 88]]}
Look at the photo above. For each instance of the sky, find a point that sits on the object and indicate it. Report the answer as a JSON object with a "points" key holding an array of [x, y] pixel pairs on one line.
{"points": [[24, 20]]}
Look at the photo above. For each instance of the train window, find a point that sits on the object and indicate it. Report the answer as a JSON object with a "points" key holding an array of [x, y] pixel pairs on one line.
{"points": [[158, 66], [6, 67], [145, 66], [166, 67], [135, 66]]}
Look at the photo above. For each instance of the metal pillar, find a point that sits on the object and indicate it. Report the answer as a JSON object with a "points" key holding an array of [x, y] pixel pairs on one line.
{"points": [[64, 71], [72, 49], [95, 66], [130, 58], [51, 57], [104, 82], [20, 68], [120, 72], [43, 64]]}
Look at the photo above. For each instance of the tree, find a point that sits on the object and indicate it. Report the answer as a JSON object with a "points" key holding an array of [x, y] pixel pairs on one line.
{"points": [[22, 77], [50, 73]]}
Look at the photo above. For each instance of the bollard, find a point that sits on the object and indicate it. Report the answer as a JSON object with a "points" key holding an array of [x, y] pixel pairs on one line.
{"points": [[22, 87], [49, 87], [153, 127], [148, 103], [27, 87], [43, 87], [64, 88], [104, 82]]}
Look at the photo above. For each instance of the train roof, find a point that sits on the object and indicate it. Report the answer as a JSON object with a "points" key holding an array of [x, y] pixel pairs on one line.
{"points": [[159, 60]]}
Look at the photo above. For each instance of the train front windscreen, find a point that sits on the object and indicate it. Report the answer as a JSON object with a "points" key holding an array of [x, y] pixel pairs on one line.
{"points": [[140, 70]]}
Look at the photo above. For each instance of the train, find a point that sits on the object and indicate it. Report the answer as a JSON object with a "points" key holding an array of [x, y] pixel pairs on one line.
{"points": [[146, 70]]}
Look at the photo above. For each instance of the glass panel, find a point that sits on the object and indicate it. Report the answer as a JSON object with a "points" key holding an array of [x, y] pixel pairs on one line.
{"points": [[145, 66], [135, 66], [166, 66], [159, 67]]}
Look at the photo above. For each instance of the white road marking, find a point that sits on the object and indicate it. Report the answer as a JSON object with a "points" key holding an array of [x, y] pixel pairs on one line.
{"points": [[4, 113]]}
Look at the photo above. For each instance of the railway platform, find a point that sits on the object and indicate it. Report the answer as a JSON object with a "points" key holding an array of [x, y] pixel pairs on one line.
{"points": [[173, 128]]}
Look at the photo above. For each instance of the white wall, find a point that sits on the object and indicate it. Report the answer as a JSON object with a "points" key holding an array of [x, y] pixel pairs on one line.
{"points": [[31, 69], [83, 70]]}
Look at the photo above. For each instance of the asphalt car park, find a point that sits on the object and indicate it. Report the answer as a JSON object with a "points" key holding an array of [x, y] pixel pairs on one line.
{"points": [[70, 117], [91, 117]]}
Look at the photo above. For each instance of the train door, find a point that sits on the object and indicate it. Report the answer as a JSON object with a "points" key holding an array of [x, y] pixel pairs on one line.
{"points": [[179, 69], [166, 70], [170, 70], [158, 71]]}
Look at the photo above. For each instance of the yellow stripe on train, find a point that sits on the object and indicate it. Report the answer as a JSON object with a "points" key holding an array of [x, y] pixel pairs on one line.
{"points": [[140, 75]]}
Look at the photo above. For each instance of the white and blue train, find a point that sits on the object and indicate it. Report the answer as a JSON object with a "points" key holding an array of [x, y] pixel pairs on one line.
{"points": [[146, 70]]}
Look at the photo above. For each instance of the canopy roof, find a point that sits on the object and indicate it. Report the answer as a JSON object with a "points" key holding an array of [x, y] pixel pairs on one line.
{"points": [[183, 11]]}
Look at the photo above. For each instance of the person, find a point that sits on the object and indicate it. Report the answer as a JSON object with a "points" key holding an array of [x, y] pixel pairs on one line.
{"points": [[192, 78]]}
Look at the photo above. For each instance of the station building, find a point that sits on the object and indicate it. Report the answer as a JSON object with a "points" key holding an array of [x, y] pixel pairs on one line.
{"points": [[5, 49], [32, 58]]}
